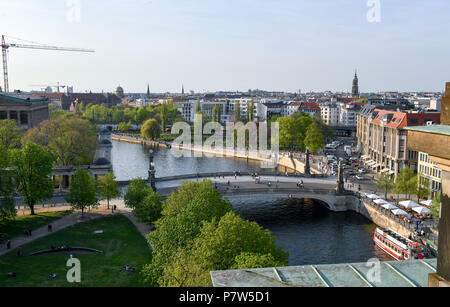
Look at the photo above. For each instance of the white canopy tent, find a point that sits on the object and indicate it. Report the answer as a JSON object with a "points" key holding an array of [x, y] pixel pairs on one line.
{"points": [[422, 210], [399, 212], [389, 206], [380, 201], [373, 196], [427, 203], [409, 204]]}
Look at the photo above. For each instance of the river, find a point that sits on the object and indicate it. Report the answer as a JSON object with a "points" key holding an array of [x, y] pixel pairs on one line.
{"points": [[306, 229]]}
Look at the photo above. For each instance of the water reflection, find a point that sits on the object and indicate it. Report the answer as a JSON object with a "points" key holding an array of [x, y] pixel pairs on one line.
{"points": [[311, 233]]}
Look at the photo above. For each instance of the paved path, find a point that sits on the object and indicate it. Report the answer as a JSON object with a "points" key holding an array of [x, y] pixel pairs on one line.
{"points": [[75, 218], [57, 225]]}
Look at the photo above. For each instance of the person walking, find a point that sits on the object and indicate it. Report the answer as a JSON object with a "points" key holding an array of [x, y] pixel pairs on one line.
{"points": [[8, 244]]}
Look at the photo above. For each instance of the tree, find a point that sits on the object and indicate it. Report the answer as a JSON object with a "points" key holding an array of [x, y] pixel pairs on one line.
{"points": [[109, 187], [149, 210], [248, 260], [314, 139], [183, 213], [151, 130], [32, 174], [237, 112], [137, 190], [436, 206], [7, 208], [10, 134], [214, 114], [82, 192], [163, 116], [385, 183], [421, 187], [404, 183], [218, 246], [72, 140]]}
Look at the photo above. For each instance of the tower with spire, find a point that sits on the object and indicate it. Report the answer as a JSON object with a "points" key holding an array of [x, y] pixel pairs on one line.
{"points": [[355, 88], [148, 91]]}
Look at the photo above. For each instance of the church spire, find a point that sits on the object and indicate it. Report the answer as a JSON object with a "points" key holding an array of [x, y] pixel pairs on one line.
{"points": [[148, 90], [355, 88]]}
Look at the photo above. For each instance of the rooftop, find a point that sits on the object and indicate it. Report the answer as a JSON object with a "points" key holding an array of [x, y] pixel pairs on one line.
{"points": [[436, 129], [22, 97], [392, 274]]}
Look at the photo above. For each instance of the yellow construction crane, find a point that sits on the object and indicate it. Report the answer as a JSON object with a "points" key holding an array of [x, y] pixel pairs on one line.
{"points": [[6, 46]]}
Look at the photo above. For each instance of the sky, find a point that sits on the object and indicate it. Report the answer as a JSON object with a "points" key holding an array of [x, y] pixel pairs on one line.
{"points": [[210, 45]]}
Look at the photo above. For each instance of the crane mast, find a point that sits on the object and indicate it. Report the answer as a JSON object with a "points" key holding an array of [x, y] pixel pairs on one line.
{"points": [[6, 46]]}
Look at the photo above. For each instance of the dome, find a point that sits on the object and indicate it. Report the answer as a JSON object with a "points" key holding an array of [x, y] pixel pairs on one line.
{"points": [[119, 92], [101, 161]]}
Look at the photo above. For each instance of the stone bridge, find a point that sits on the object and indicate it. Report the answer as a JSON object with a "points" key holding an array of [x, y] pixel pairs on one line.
{"points": [[241, 185]]}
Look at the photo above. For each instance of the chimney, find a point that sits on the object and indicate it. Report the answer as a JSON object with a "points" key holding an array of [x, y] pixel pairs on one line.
{"points": [[445, 110]]}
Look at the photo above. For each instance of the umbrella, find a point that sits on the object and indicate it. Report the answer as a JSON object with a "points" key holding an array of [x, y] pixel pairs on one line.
{"points": [[422, 210], [427, 203], [399, 212], [389, 206], [380, 201], [409, 204], [373, 196]]}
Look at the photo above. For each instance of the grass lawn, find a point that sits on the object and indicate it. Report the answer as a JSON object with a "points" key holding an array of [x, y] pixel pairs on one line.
{"points": [[121, 244], [20, 224]]}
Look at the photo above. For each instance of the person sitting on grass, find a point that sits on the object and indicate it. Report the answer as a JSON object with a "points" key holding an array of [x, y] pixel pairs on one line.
{"points": [[52, 276], [11, 274]]}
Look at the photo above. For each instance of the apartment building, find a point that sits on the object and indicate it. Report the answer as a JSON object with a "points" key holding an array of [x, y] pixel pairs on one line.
{"points": [[383, 140], [429, 170]]}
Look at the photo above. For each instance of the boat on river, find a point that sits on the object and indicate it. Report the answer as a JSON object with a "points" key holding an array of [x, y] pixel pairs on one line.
{"points": [[397, 246]]}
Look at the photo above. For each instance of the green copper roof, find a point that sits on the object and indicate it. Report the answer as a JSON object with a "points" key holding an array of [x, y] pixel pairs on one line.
{"points": [[391, 274], [436, 129]]}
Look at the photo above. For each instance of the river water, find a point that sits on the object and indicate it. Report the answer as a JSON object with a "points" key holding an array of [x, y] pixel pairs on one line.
{"points": [[306, 229]]}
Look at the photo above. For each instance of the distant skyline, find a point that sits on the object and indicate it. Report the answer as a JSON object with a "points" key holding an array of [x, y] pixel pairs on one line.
{"points": [[283, 45]]}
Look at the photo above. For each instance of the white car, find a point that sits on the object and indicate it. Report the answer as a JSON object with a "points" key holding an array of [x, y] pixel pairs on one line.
{"points": [[359, 177]]}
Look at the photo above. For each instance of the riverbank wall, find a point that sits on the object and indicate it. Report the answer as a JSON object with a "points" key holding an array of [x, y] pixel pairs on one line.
{"points": [[139, 141], [380, 216]]}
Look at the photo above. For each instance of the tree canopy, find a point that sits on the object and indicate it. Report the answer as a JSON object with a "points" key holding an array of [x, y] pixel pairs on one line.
{"points": [[108, 187], [71, 139], [33, 166], [82, 192], [10, 134], [151, 130]]}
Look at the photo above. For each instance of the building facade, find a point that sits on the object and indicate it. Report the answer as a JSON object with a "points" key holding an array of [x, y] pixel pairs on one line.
{"points": [[27, 110], [430, 171]]}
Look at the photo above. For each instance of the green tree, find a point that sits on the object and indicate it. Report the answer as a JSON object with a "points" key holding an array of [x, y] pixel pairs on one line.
{"points": [[421, 189], [214, 114], [314, 139], [385, 183], [436, 206], [151, 130], [32, 174], [237, 112], [7, 208], [404, 183], [217, 247], [72, 140], [108, 187], [248, 260], [141, 115], [82, 192], [137, 190], [10, 134], [149, 210], [183, 213], [164, 114]]}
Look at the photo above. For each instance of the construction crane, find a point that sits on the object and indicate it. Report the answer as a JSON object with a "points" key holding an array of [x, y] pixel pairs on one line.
{"points": [[6, 46]]}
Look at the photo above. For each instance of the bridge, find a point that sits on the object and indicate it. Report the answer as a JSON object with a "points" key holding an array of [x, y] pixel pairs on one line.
{"points": [[268, 184]]}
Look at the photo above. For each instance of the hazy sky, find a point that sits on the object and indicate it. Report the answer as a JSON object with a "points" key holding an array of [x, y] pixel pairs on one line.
{"points": [[230, 44]]}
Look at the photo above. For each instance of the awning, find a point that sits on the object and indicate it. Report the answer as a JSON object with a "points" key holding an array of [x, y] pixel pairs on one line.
{"points": [[391, 172], [365, 157], [385, 170], [375, 165], [370, 162]]}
